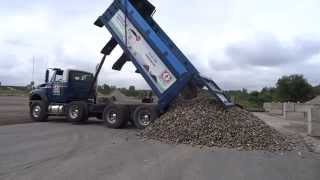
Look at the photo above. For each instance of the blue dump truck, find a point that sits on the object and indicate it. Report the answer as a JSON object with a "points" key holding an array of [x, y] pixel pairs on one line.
{"points": [[169, 73]]}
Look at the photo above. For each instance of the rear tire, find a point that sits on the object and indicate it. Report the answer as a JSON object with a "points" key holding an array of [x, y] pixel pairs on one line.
{"points": [[39, 111], [143, 116], [115, 116], [77, 112]]}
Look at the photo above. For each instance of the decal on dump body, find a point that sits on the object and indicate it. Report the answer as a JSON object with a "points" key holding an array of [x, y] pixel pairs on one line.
{"points": [[147, 59]]}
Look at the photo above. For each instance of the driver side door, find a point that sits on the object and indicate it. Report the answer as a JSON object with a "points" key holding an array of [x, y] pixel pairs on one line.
{"points": [[58, 87]]}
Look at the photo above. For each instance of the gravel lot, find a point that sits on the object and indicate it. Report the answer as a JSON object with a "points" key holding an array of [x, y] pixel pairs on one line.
{"points": [[59, 150], [14, 110]]}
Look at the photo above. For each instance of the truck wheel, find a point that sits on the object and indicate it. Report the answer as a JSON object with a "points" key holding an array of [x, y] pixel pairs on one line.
{"points": [[38, 111], [143, 116], [115, 116], [77, 112]]}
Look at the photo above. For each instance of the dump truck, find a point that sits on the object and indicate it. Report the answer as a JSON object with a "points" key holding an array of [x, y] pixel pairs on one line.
{"points": [[164, 67]]}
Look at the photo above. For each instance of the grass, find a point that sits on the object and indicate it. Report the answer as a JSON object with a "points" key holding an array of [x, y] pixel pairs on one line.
{"points": [[11, 91]]}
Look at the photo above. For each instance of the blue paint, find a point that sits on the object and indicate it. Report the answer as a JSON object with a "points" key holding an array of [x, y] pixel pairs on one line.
{"points": [[168, 52]]}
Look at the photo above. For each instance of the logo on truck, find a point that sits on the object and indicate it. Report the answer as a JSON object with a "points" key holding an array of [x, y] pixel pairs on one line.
{"points": [[148, 60], [166, 76]]}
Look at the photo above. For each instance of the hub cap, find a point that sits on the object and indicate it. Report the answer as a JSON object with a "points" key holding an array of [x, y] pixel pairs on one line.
{"points": [[36, 111], [74, 112], [144, 118], [112, 117]]}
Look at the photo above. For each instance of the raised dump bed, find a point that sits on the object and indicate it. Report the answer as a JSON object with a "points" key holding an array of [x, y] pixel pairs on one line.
{"points": [[161, 63]]}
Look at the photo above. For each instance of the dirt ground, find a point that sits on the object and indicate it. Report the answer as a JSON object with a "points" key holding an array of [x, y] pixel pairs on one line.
{"points": [[299, 128], [60, 150], [14, 110]]}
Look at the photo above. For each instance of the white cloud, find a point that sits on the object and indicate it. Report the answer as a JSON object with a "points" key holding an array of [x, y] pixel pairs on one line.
{"points": [[61, 34]]}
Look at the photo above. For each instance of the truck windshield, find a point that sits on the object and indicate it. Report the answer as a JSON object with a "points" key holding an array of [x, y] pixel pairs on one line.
{"points": [[80, 76]]}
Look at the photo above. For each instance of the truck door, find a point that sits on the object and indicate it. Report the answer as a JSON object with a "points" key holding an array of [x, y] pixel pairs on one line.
{"points": [[58, 87]]}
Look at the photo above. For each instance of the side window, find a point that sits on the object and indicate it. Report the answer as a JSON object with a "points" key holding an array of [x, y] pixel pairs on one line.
{"points": [[57, 76], [80, 76]]}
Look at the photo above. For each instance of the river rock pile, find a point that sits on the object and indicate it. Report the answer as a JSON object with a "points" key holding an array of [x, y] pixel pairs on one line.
{"points": [[202, 121]]}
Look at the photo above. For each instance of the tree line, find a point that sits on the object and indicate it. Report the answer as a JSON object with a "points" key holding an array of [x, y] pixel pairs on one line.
{"points": [[131, 91], [293, 88]]}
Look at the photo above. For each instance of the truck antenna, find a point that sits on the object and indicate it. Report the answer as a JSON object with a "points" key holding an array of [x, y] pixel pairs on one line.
{"points": [[33, 62]]}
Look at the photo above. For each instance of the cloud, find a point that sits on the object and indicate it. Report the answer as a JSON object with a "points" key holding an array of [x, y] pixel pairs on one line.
{"points": [[260, 61], [16, 42], [9, 61], [222, 40], [266, 50]]}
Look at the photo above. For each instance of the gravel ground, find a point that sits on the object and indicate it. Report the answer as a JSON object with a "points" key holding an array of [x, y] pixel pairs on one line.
{"points": [[295, 129], [203, 122], [58, 150], [14, 110]]}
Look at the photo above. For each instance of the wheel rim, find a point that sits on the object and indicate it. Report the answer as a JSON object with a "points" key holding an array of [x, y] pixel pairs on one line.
{"points": [[144, 118], [74, 112], [112, 117], [36, 111]]}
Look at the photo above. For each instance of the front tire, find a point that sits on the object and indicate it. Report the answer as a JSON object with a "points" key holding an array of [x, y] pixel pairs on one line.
{"points": [[39, 111], [77, 112]]}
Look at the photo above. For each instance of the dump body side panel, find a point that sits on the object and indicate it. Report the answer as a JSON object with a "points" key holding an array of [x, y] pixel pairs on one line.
{"points": [[148, 52], [161, 63]]}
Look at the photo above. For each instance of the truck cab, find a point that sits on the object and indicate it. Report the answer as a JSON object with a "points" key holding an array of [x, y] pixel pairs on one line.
{"points": [[72, 93], [61, 88]]}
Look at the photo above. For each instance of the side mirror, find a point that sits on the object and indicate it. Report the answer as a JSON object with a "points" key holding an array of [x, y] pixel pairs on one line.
{"points": [[47, 76]]}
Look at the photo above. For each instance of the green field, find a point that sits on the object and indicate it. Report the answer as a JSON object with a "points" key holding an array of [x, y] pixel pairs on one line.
{"points": [[13, 91]]}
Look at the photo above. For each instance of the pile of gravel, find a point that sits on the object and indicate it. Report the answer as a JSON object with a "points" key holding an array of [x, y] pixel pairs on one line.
{"points": [[204, 122], [315, 101]]}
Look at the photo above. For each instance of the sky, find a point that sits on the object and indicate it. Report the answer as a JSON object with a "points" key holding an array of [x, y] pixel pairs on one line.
{"points": [[238, 43]]}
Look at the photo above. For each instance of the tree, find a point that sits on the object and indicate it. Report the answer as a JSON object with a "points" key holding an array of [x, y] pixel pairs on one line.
{"points": [[106, 89], [254, 97], [294, 88], [132, 88], [132, 91], [317, 90], [267, 94]]}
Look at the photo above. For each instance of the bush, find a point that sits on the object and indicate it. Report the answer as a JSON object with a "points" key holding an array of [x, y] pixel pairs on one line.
{"points": [[294, 88]]}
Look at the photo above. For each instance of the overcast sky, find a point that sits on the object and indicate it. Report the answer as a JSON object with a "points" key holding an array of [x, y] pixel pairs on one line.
{"points": [[239, 43]]}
